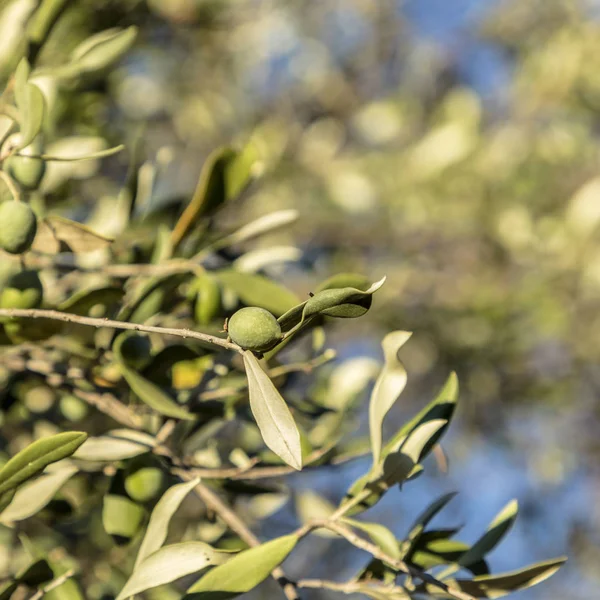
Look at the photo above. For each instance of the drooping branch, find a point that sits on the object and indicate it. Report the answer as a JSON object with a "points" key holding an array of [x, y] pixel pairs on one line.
{"points": [[55, 315]]}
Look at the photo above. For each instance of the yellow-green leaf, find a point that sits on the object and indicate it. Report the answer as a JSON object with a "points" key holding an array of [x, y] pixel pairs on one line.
{"points": [[38, 456], [243, 572]]}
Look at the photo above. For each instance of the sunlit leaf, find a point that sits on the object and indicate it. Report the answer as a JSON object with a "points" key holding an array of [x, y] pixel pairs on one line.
{"points": [[31, 105], [33, 459], [380, 535], [103, 49], [118, 444], [32, 496], [170, 563], [272, 415], [243, 572], [388, 387], [312, 506], [156, 532]]}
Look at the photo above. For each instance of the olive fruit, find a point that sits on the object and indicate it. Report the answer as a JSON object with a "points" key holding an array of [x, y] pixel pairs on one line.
{"points": [[144, 484], [18, 227], [133, 349], [73, 408], [27, 170], [254, 329], [22, 290]]}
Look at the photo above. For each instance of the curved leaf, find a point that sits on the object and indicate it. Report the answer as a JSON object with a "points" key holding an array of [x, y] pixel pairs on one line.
{"points": [[31, 104], [54, 232], [153, 396], [388, 387], [37, 456], [170, 563], [31, 497], [165, 508], [102, 49], [243, 572], [272, 415]]}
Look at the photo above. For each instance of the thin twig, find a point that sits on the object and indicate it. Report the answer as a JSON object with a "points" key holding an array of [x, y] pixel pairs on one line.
{"points": [[38, 313], [352, 587], [53, 584], [397, 564], [231, 519]]}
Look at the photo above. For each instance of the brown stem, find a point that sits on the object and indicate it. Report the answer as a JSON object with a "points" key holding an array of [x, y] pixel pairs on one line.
{"points": [[53, 584], [38, 313]]}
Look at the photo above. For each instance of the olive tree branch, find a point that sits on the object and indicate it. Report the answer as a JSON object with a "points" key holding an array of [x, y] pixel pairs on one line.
{"points": [[58, 581], [231, 519], [39, 313], [398, 564], [352, 587]]}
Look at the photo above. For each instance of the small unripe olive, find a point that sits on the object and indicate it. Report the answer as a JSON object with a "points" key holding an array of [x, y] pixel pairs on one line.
{"points": [[73, 408], [27, 171], [18, 227], [254, 329], [144, 484], [22, 290], [135, 350]]}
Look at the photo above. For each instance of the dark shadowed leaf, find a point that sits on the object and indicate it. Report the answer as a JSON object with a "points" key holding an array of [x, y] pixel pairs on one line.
{"points": [[243, 572], [501, 584], [37, 456], [156, 532], [170, 563], [272, 415]]}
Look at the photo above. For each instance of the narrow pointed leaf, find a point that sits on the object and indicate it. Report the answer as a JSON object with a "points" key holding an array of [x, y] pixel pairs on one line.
{"points": [[388, 387], [170, 563], [256, 290], [118, 444], [153, 396], [380, 535], [273, 417], [37, 456], [243, 572], [501, 584], [34, 495], [102, 49], [54, 232], [158, 526], [31, 105]]}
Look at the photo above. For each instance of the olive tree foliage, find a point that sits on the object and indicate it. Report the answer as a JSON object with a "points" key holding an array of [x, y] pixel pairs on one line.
{"points": [[157, 388]]}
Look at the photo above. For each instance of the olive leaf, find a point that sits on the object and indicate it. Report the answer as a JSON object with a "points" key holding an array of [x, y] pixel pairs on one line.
{"points": [[501, 584], [32, 575], [54, 233], [118, 444], [153, 396], [496, 530], [388, 387], [273, 417], [345, 303], [380, 535], [243, 572], [256, 290], [82, 301], [37, 456], [265, 224], [101, 50], [31, 105], [34, 495], [156, 532], [170, 563], [225, 173]]}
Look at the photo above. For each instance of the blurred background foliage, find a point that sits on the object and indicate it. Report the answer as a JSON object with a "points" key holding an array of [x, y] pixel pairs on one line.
{"points": [[451, 145]]}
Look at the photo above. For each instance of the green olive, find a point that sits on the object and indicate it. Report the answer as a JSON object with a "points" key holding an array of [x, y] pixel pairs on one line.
{"points": [[133, 349], [18, 226], [144, 484], [27, 171], [22, 290], [254, 329], [73, 408]]}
